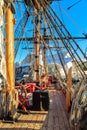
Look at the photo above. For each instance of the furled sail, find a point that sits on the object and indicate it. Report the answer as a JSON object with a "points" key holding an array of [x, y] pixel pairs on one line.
{"points": [[2, 55]]}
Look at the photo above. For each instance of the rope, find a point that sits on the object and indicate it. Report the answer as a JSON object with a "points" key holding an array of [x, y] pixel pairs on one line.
{"points": [[52, 58], [56, 28], [20, 30], [68, 32], [79, 105], [58, 53], [73, 22]]}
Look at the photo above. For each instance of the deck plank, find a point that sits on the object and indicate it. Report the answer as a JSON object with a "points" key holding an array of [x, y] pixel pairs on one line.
{"points": [[55, 119]]}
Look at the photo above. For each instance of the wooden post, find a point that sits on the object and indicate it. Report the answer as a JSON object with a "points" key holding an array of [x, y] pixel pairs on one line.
{"points": [[10, 48], [69, 84]]}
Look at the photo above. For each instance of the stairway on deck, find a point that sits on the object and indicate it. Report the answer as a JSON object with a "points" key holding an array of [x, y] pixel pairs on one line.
{"points": [[54, 119]]}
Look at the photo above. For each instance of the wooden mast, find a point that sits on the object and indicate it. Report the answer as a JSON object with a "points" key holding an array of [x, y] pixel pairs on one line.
{"points": [[37, 41], [45, 49], [10, 48]]}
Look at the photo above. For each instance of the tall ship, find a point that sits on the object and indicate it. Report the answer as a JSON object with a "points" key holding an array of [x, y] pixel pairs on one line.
{"points": [[43, 68]]}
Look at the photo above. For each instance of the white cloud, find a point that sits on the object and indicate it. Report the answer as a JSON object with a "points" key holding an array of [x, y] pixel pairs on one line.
{"points": [[67, 55], [69, 64]]}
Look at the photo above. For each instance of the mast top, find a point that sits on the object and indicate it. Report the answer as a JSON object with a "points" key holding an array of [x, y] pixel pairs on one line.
{"points": [[10, 4], [36, 3]]}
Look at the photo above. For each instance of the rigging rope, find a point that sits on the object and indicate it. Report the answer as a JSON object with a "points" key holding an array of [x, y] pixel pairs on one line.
{"points": [[48, 18], [67, 31], [60, 32], [73, 22], [57, 30], [20, 30], [79, 104], [58, 53], [47, 46]]}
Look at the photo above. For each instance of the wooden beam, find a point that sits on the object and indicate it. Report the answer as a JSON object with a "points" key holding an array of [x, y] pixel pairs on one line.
{"points": [[50, 38]]}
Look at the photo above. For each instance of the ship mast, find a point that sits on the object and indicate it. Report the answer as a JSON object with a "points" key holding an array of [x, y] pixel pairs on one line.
{"points": [[45, 49], [37, 41], [10, 47]]}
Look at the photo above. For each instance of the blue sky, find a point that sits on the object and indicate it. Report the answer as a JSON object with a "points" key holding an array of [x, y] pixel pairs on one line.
{"points": [[78, 14], [74, 19]]}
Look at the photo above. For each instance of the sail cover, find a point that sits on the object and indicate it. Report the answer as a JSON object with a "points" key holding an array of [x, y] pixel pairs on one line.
{"points": [[2, 55]]}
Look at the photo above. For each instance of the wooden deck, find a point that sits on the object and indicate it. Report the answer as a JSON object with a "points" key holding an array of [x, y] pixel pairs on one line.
{"points": [[54, 119]]}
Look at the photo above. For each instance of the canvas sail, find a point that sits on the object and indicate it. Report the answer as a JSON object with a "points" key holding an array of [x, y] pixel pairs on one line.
{"points": [[2, 55]]}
